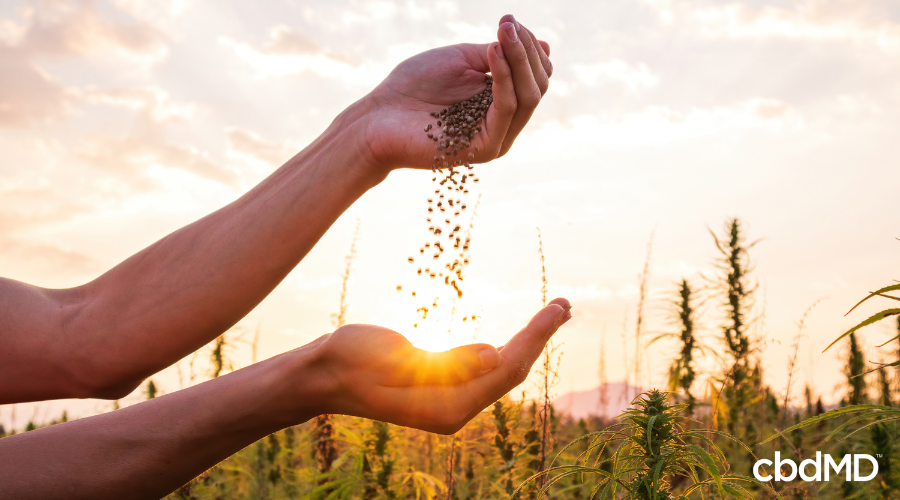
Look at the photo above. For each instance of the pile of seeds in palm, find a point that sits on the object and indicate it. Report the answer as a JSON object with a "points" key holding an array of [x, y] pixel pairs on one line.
{"points": [[452, 131]]}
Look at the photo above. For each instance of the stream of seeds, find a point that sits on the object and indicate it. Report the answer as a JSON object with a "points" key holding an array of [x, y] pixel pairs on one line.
{"points": [[445, 252]]}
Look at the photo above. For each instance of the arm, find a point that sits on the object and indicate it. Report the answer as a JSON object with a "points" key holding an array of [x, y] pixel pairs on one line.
{"points": [[103, 338], [150, 449]]}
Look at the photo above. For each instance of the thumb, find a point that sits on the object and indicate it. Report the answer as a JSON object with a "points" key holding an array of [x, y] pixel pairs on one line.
{"points": [[519, 354], [455, 366]]}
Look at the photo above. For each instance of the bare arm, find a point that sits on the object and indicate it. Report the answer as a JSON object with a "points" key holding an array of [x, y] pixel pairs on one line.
{"points": [[103, 338], [152, 448]]}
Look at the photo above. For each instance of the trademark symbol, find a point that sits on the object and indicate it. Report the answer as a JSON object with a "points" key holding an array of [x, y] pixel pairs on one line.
{"points": [[878, 455]]}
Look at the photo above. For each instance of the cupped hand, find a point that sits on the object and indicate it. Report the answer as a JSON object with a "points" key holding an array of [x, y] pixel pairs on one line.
{"points": [[378, 374], [520, 66]]}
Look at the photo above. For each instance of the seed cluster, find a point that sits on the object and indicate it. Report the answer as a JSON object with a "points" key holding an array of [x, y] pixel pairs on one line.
{"points": [[452, 132], [457, 126]]}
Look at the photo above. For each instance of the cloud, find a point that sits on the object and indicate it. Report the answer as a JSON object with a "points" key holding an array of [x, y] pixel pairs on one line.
{"points": [[289, 52], [634, 76], [287, 41], [250, 144], [58, 28], [51, 30], [49, 258], [146, 144], [815, 20], [28, 96], [373, 12], [23, 213], [654, 125]]}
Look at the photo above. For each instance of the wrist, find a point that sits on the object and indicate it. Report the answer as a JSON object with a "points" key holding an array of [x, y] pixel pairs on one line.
{"points": [[306, 386], [355, 123]]}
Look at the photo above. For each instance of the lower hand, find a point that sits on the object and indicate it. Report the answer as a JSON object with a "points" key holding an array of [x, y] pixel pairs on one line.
{"points": [[376, 373]]}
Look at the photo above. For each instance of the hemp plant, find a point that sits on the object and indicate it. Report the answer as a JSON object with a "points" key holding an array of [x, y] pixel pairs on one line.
{"points": [[651, 447], [682, 373], [863, 415], [734, 278]]}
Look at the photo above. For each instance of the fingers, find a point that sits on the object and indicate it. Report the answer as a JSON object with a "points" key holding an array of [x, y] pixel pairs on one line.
{"points": [[500, 113], [538, 69], [528, 76], [546, 47], [519, 354], [544, 55], [476, 56]]}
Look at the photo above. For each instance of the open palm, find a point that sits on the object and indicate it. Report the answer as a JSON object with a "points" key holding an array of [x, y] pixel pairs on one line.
{"points": [[380, 375]]}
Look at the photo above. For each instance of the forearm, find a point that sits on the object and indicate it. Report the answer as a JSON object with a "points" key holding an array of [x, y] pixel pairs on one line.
{"points": [[150, 449], [181, 292]]}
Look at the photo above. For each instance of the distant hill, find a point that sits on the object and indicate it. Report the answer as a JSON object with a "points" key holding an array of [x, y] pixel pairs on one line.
{"points": [[581, 404]]}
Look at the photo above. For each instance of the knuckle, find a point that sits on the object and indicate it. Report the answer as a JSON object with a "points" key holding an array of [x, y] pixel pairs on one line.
{"points": [[507, 106], [532, 97], [520, 56], [518, 373], [527, 41]]}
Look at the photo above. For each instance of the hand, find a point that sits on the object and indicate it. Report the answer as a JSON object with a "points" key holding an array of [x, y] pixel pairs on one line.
{"points": [[435, 79], [378, 374]]}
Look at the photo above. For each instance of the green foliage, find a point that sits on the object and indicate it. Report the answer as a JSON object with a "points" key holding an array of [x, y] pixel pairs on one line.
{"points": [[855, 371], [652, 448], [151, 390], [734, 268], [681, 373]]}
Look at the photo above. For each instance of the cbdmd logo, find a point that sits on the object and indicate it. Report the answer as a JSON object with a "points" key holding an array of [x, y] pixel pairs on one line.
{"points": [[818, 466]]}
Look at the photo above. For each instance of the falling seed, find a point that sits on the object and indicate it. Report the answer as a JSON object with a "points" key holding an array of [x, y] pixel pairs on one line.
{"points": [[399, 287]]}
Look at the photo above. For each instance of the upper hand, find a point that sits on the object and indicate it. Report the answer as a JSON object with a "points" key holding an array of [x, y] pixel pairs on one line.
{"points": [[378, 374], [435, 79]]}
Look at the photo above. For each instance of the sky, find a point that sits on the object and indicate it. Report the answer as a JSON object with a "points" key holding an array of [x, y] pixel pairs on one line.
{"points": [[121, 121]]}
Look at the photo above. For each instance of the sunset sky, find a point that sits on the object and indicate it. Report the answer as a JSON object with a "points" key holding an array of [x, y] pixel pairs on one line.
{"points": [[122, 121]]}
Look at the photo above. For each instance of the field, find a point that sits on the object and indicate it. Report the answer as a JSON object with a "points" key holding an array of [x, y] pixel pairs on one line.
{"points": [[699, 436]]}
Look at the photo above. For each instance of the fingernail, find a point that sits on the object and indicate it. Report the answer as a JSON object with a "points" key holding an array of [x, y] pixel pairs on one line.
{"points": [[511, 34], [499, 50], [564, 316], [512, 19], [490, 359]]}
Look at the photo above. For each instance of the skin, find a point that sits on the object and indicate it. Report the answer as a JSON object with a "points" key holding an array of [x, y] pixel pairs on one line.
{"points": [[102, 339]]}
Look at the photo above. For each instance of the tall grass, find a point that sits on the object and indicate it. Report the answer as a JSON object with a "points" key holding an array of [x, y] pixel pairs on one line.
{"points": [[326, 450], [666, 446]]}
